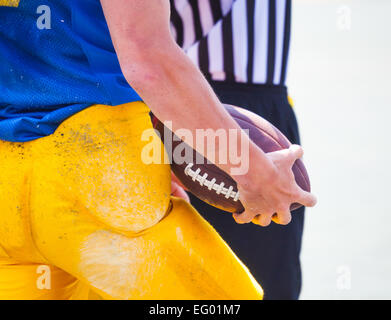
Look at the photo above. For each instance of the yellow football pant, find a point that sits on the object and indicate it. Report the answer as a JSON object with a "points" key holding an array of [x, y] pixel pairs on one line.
{"points": [[83, 217]]}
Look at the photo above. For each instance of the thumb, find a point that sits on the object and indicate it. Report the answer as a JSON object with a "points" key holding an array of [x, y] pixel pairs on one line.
{"points": [[295, 152]]}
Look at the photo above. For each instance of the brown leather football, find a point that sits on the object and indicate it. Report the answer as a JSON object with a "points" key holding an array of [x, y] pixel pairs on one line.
{"points": [[212, 185]]}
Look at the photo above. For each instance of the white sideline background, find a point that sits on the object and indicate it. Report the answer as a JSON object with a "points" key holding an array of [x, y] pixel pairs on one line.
{"points": [[339, 78]]}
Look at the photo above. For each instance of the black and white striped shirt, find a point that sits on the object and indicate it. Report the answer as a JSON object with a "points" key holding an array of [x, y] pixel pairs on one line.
{"points": [[243, 41]]}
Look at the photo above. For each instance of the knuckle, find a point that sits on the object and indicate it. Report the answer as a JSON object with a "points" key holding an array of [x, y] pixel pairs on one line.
{"points": [[242, 218], [285, 219], [266, 223], [237, 218], [262, 220], [266, 220]]}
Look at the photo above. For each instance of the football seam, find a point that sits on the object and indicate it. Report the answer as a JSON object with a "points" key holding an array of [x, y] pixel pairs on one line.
{"points": [[211, 184]]}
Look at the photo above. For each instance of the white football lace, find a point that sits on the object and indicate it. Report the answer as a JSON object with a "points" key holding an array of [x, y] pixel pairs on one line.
{"points": [[211, 184]]}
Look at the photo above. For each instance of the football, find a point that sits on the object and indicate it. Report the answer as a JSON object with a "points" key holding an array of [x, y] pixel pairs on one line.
{"points": [[214, 186]]}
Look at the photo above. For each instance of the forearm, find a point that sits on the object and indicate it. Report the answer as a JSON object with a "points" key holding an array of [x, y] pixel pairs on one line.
{"points": [[176, 91], [168, 82]]}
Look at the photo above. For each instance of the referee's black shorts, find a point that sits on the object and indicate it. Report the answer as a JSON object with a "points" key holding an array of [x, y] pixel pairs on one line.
{"points": [[271, 253]]}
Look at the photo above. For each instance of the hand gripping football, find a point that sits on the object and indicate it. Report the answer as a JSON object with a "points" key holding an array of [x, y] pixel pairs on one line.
{"points": [[212, 185]]}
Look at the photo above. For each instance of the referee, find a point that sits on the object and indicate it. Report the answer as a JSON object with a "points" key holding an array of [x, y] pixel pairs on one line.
{"points": [[242, 47]]}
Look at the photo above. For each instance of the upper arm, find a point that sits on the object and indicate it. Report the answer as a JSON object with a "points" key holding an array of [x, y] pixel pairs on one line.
{"points": [[138, 26]]}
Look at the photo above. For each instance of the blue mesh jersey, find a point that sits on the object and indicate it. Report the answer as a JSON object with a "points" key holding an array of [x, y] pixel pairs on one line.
{"points": [[55, 61]]}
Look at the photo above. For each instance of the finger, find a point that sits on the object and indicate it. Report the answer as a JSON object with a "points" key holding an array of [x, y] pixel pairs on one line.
{"points": [[295, 152], [244, 217], [283, 217], [307, 199], [263, 219]]}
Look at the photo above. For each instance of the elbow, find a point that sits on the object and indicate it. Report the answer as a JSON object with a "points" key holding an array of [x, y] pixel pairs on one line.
{"points": [[142, 75], [149, 66]]}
